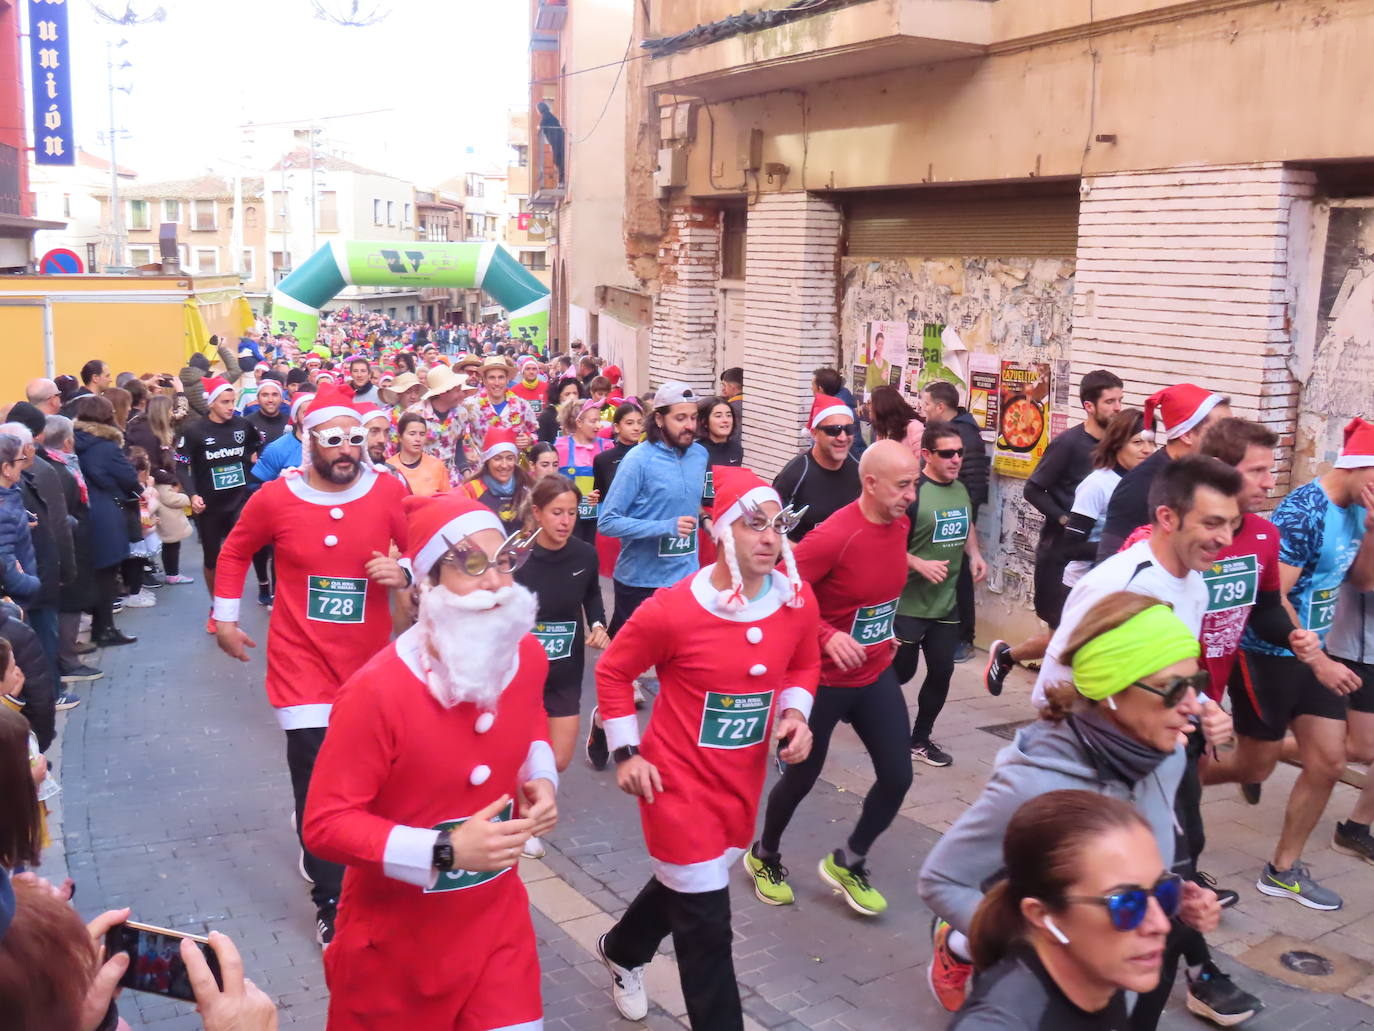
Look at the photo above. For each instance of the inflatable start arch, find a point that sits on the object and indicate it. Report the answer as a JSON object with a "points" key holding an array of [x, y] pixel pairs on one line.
{"points": [[297, 300]]}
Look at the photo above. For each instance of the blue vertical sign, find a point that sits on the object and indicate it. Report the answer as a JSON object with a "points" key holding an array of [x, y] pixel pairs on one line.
{"points": [[49, 56]]}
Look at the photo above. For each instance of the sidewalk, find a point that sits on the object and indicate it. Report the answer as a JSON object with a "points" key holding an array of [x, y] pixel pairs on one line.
{"points": [[177, 803]]}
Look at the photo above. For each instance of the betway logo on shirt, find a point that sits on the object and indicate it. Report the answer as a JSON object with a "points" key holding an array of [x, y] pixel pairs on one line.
{"points": [[224, 452]]}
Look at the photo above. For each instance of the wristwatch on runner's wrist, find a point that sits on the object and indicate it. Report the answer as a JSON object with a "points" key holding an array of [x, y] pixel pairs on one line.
{"points": [[624, 752], [443, 852]]}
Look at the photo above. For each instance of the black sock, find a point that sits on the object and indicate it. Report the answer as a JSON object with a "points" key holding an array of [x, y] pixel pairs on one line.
{"points": [[1351, 827], [767, 857]]}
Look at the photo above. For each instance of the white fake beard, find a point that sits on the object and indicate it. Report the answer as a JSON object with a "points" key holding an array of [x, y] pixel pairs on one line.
{"points": [[472, 641]]}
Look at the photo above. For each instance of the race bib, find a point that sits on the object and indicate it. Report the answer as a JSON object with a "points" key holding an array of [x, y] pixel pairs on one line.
{"points": [[676, 547], [227, 477], [734, 720], [951, 526], [587, 509], [1321, 610], [457, 880], [335, 599], [1232, 583], [557, 638], [536, 406], [708, 489], [873, 623]]}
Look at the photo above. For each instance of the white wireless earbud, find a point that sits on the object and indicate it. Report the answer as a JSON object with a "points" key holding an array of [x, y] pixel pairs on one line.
{"points": [[1111, 703], [1059, 936]]}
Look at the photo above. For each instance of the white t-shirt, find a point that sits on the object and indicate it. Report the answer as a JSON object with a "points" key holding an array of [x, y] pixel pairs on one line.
{"points": [[1134, 569], [1090, 499]]}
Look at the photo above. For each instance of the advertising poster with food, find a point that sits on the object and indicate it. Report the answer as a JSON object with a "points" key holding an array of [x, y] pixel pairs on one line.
{"points": [[985, 378], [1023, 418]]}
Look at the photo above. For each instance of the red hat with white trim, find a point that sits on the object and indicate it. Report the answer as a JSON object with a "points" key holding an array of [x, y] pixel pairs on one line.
{"points": [[498, 439], [330, 402], [739, 488], [1358, 450], [824, 406], [430, 520], [214, 386], [374, 414], [1182, 407]]}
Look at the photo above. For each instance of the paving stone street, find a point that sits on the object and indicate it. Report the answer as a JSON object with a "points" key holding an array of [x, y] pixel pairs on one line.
{"points": [[177, 804]]}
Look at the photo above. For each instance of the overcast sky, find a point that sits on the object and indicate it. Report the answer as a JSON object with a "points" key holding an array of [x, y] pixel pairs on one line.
{"points": [[448, 69]]}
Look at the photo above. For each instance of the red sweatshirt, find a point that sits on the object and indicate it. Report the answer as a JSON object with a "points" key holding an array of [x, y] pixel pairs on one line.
{"points": [[327, 619], [857, 569]]}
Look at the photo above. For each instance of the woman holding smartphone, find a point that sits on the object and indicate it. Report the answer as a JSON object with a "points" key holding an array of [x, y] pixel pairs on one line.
{"points": [[562, 573], [1079, 919]]}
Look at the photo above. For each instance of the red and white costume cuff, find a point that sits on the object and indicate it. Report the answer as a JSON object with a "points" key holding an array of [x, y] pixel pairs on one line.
{"points": [[409, 855], [226, 610], [798, 698], [696, 878], [539, 762], [621, 732]]}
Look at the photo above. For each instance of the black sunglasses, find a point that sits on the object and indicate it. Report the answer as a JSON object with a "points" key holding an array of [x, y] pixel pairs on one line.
{"points": [[1177, 687], [948, 452], [1128, 905], [847, 430]]}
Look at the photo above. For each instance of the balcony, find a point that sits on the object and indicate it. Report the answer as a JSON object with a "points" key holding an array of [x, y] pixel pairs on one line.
{"points": [[11, 203], [551, 14], [716, 61]]}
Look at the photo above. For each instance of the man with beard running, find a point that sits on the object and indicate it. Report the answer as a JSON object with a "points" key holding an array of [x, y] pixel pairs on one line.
{"points": [[733, 643], [436, 771], [332, 524]]}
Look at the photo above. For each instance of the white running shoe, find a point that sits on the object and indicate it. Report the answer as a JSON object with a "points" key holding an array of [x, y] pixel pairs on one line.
{"points": [[627, 986], [141, 600], [534, 849], [305, 874]]}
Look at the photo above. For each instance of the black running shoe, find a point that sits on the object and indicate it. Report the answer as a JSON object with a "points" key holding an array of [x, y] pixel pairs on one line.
{"points": [[1251, 793], [1214, 996], [1000, 663], [1354, 841], [324, 924], [598, 752], [1226, 898]]}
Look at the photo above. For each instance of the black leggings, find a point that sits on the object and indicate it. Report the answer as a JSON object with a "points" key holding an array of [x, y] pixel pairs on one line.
{"points": [[106, 591], [171, 558], [131, 569], [938, 640], [877, 711], [263, 566]]}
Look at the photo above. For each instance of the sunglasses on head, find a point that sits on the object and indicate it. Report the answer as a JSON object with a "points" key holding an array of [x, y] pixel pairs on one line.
{"points": [[1128, 904], [335, 437], [472, 560], [784, 522], [1177, 687], [846, 430], [948, 452]]}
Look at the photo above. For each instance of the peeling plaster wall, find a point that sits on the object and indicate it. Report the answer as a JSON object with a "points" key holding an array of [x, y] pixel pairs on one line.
{"points": [[1016, 308]]}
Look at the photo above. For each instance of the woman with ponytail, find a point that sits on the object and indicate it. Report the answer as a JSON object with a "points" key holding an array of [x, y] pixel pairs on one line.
{"points": [[1079, 918]]}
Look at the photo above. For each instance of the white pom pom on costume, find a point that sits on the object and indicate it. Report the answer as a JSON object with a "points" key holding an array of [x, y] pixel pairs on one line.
{"points": [[730, 600]]}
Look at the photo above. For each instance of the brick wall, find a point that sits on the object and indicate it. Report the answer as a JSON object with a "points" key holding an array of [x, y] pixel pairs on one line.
{"points": [[684, 329], [791, 326], [1184, 275]]}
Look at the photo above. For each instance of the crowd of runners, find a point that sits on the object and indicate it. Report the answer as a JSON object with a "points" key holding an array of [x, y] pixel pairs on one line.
{"points": [[428, 516]]}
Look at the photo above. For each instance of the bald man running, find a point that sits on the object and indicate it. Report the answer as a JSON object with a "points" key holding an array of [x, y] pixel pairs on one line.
{"points": [[855, 561]]}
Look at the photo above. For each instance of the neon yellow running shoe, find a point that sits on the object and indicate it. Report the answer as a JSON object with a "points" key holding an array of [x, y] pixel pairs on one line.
{"points": [[770, 880], [852, 883]]}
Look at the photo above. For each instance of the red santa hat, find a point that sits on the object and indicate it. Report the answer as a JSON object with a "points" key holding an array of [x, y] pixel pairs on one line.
{"points": [[612, 373], [499, 439], [214, 386], [1182, 407], [824, 406], [739, 488], [375, 414], [330, 402], [299, 403], [1358, 450], [433, 522]]}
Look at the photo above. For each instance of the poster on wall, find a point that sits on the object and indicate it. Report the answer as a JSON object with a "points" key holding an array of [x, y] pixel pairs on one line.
{"points": [[943, 356], [985, 378], [1023, 418], [884, 355]]}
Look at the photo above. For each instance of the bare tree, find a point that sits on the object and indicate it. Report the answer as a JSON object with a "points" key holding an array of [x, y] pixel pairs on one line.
{"points": [[130, 16], [356, 16]]}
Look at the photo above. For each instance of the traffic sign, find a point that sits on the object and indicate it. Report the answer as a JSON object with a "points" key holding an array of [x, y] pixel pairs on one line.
{"points": [[60, 260]]}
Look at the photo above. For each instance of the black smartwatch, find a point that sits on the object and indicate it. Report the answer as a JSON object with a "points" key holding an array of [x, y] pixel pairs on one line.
{"points": [[624, 752], [443, 852]]}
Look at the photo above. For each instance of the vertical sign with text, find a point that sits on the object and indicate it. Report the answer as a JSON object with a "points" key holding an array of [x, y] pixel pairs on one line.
{"points": [[50, 56]]}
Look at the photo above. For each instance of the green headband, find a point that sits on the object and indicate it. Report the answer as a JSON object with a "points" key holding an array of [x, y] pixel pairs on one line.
{"points": [[1146, 643]]}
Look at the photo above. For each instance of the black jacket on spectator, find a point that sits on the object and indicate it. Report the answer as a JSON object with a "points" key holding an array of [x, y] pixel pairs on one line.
{"points": [[40, 686], [162, 459], [52, 537], [976, 470], [108, 476], [78, 594]]}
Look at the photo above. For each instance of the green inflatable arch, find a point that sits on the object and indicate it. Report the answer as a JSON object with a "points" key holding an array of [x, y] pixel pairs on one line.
{"points": [[297, 300]]}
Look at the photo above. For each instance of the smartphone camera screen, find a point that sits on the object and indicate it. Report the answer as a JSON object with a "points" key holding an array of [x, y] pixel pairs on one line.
{"points": [[155, 963]]}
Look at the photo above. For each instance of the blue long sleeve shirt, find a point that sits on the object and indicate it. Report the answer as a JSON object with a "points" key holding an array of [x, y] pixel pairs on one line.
{"points": [[654, 487], [282, 453]]}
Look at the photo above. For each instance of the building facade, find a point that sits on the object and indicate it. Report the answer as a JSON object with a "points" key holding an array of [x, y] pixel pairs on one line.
{"points": [[1174, 191], [71, 194]]}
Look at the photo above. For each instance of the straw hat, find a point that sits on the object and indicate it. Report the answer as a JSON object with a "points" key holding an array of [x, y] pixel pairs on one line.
{"points": [[440, 380], [391, 393], [499, 361], [467, 361]]}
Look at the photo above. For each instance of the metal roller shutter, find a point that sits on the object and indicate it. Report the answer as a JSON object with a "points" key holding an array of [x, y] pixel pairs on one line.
{"points": [[962, 224]]}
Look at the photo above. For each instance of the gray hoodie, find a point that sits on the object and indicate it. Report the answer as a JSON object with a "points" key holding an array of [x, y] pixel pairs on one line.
{"points": [[1046, 756]]}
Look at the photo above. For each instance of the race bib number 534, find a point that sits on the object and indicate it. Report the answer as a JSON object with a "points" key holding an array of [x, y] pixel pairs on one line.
{"points": [[336, 599], [734, 720], [873, 623]]}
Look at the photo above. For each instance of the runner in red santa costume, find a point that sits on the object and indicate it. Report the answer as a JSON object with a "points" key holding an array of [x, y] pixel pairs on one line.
{"points": [[733, 644], [436, 770], [332, 523]]}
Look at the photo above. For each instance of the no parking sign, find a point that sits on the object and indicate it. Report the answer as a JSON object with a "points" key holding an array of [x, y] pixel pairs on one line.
{"points": [[61, 260]]}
